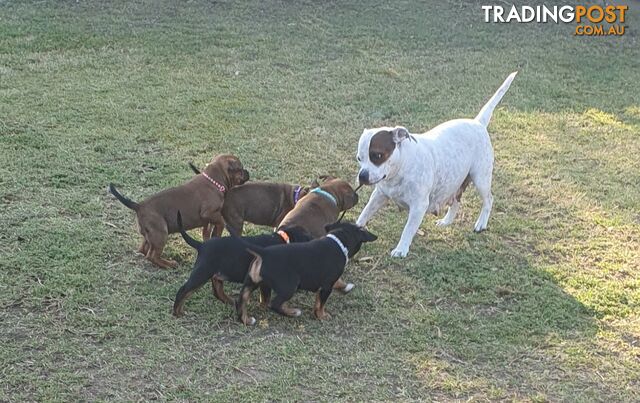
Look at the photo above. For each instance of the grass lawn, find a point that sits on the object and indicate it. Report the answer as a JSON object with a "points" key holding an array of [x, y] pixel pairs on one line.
{"points": [[543, 306]]}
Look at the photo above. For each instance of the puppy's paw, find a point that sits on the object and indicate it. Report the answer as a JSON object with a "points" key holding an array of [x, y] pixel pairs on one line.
{"points": [[171, 264], [251, 321], [322, 315], [296, 312], [346, 289], [399, 252]]}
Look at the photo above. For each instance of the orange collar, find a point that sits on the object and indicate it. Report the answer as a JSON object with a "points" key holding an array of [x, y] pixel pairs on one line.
{"points": [[284, 236]]}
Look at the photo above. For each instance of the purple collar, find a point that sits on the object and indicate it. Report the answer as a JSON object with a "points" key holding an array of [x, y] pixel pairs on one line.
{"points": [[296, 194]]}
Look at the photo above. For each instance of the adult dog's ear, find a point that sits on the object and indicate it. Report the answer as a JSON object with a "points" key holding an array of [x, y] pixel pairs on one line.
{"points": [[400, 134], [367, 236]]}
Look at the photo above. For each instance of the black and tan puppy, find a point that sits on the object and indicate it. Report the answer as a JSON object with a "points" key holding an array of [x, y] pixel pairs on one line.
{"points": [[260, 203], [200, 201], [312, 266], [321, 207], [226, 259]]}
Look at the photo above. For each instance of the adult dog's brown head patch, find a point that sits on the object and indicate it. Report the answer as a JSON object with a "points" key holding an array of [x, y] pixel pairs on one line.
{"points": [[384, 142], [381, 147]]}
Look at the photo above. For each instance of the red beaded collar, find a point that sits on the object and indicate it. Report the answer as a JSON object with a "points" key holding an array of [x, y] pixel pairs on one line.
{"points": [[218, 186]]}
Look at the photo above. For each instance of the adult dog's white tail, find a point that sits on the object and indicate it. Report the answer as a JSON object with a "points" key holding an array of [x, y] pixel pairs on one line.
{"points": [[487, 110]]}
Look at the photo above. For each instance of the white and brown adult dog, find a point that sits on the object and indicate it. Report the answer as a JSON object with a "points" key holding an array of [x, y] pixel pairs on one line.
{"points": [[427, 172]]}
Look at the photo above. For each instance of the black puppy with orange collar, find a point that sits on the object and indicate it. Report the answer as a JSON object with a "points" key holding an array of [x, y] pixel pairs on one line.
{"points": [[227, 259], [312, 266]]}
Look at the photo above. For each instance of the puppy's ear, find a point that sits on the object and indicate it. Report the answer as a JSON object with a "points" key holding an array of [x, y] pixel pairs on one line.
{"points": [[321, 179], [332, 226], [326, 178], [368, 236], [297, 234], [400, 134]]}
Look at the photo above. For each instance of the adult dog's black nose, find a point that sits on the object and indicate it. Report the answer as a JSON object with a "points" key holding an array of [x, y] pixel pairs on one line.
{"points": [[363, 177]]}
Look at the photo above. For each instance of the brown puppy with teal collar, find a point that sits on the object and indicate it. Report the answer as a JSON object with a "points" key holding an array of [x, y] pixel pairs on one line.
{"points": [[199, 200]]}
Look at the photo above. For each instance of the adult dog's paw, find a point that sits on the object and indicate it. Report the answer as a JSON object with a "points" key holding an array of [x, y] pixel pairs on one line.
{"points": [[479, 227], [399, 252]]}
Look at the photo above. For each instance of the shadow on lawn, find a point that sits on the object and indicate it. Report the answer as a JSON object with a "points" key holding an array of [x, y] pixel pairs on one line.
{"points": [[491, 313]]}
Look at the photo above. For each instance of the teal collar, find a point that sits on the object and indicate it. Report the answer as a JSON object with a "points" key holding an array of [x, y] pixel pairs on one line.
{"points": [[325, 194]]}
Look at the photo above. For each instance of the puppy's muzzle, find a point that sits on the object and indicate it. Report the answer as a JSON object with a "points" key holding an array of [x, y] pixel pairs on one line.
{"points": [[245, 175]]}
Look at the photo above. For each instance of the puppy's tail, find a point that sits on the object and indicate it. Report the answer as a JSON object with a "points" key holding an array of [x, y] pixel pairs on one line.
{"points": [[193, 168], [195, 244], [127, 202], [485, 113]]}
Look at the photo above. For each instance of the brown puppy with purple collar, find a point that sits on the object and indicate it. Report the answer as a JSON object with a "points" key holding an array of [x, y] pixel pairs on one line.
{"points": [[199, 200], [259, 203]]}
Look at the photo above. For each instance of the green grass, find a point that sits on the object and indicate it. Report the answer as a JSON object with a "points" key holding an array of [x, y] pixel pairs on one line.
{"points": [[543, 306]]}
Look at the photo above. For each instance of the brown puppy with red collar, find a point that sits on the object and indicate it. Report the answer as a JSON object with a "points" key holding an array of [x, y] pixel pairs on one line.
{"points": [[200, 201], [259, 203], [321, 207]]}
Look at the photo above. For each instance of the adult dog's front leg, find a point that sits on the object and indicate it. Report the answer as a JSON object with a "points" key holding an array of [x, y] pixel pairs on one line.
{"points": [[416, 214], [375, 203]]}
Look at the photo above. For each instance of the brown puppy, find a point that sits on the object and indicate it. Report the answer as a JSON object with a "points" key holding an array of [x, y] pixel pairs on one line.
{"points": [[199, 200], [321, 207], [260, 203]]}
